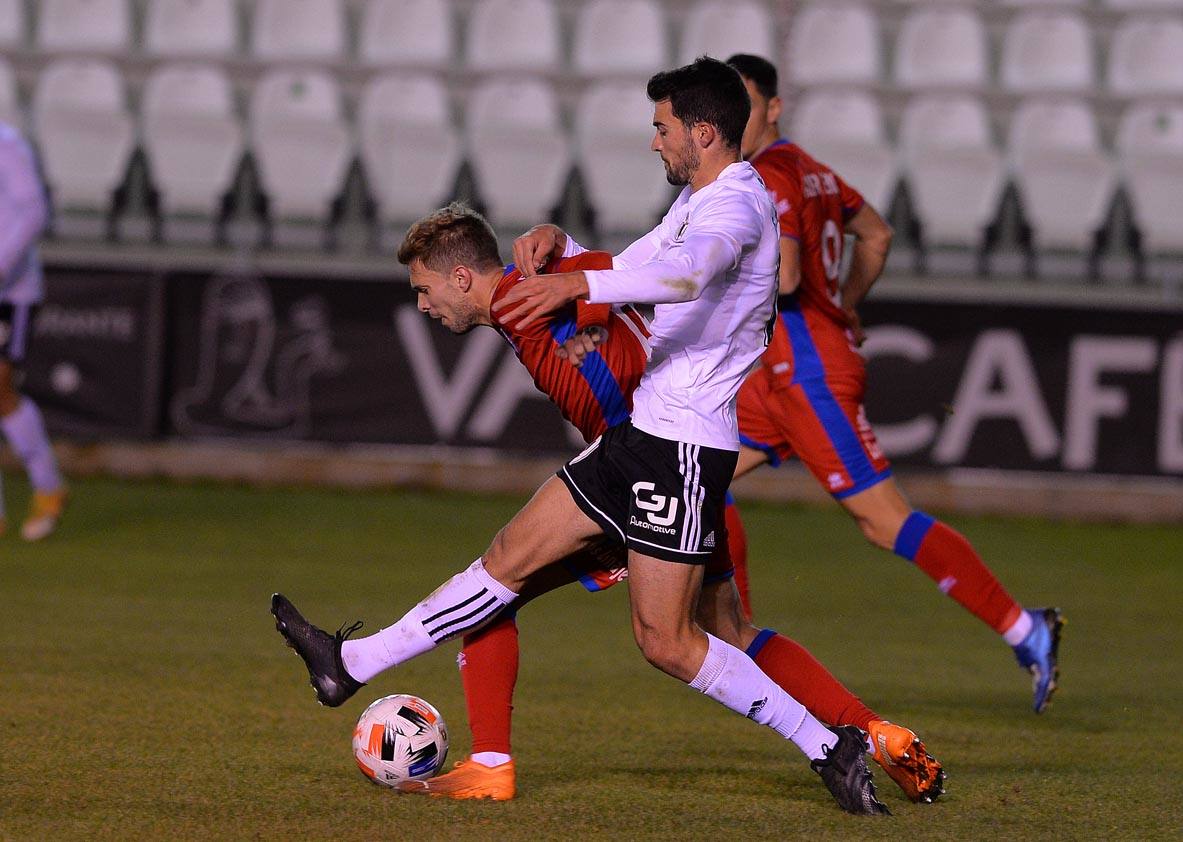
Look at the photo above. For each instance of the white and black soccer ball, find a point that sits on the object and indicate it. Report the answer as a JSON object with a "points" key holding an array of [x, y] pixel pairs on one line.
{"points": [[400, 738]]}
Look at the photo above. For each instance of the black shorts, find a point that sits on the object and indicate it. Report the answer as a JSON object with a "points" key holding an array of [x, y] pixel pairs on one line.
{"points": [[16, 323], [661, 498]]}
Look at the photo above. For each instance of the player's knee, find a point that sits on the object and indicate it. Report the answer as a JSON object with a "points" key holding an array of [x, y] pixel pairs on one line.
{"points": [[499, 563]]}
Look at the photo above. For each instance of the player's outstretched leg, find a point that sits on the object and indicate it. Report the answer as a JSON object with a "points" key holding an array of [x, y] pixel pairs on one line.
{"points": [[1038, 652], [845, 774], [320, 651], [948, 558]]}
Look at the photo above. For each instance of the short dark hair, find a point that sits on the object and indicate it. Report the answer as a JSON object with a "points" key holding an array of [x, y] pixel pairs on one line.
{"points": [[759, 71], [453, 236], [707, 91]]}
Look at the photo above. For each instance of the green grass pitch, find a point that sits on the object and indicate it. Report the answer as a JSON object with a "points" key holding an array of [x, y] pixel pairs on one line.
{"points": [[146, 694]]}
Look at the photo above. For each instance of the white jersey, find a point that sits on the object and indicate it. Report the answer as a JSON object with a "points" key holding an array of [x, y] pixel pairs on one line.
{"points": [[711, 268], [23, 214]]}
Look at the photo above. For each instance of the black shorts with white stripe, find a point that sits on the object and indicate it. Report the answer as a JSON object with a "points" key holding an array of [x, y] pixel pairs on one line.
{"points": [[16, 323], [659, 497]]}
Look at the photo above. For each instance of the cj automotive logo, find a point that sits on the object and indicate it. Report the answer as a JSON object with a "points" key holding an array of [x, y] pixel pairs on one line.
{"points": [[652, 505]]}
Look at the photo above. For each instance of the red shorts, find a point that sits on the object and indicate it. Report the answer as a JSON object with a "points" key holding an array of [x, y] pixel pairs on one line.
{"points": [[820, 419]]}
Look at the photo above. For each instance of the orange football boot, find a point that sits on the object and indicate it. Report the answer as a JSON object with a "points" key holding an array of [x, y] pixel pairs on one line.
{"points": [[44, 513], [904, 758], [468, 779]]}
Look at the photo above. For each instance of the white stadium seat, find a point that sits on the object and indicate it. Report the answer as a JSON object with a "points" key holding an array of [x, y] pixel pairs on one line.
{"points": [[955, 173], [519, 154], [941, 47], [298, 29], [10, 104], [834, 42], [513, 35], [192, 137], [1147, 57], [409, 146], [1150, 150], [625, 181], [721, 28], [416, 33], [191, 28], [845, 130], [1065, 180], [1144, 4], [12, 23], [617, 37], [300, 141], [1047, 51], [84, 132], [84, 25]]}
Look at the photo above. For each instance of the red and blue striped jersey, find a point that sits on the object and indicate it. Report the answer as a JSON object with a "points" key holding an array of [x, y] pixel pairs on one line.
{"points": [[598, 394]]}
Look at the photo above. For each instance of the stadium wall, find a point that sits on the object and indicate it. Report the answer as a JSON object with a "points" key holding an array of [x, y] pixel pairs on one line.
{"points": [[1023, 404]]}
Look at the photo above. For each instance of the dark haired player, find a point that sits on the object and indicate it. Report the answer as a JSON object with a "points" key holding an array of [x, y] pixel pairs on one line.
{"points": [[807, 397]]}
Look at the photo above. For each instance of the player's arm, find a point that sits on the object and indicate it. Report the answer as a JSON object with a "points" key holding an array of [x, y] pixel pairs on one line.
{"points": [[790, 265], [872, 241], [24, 211], [712, 245]]}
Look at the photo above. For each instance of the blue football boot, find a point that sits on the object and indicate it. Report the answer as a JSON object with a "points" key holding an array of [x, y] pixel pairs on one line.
{"points": [[1038, 653]]}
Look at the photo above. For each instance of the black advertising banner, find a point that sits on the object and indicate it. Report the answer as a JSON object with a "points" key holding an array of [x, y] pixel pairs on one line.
{"points": [[94, 364], [342, 361], [1019, 386], [1032, 387]]}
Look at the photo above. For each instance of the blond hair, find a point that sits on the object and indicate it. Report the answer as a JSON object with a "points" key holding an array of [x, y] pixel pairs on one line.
{"points": [[455, 235]]}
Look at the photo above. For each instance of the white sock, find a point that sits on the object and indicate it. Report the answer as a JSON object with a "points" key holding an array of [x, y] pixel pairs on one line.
{"points": [[491, 759], [465, 602], [25, 430], [732, 678], [1021, 628]]}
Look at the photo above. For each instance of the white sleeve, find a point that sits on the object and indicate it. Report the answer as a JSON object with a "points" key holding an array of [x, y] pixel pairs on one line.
{"points": [[714, 240], [572, 248]]}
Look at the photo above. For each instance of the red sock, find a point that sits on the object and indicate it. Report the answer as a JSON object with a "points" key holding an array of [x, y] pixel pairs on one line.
{"points": [[951, 561], [737, 546], [790, 665], [489, 670]]}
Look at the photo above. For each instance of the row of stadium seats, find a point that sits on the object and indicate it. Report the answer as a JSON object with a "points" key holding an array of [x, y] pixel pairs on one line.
{"points": [[303, 148], [611, 37], [947, 45], [938, 45], [956, 174]]}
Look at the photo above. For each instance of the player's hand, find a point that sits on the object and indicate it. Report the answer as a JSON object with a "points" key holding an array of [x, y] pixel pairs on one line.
{"points": [[858, 335], [582, 344], [531, 299], [537, 247]]}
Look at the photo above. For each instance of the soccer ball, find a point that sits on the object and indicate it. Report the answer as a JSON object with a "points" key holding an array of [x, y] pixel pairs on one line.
{"points": [[400, 738]]}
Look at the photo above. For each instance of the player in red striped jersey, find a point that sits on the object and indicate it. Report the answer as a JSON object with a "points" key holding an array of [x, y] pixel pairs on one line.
{"points": [[807, 396], [594, 395]]}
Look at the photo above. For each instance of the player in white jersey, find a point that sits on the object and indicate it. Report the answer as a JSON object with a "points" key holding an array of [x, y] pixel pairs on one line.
{"points": [[23, 215], [656, 485]]}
